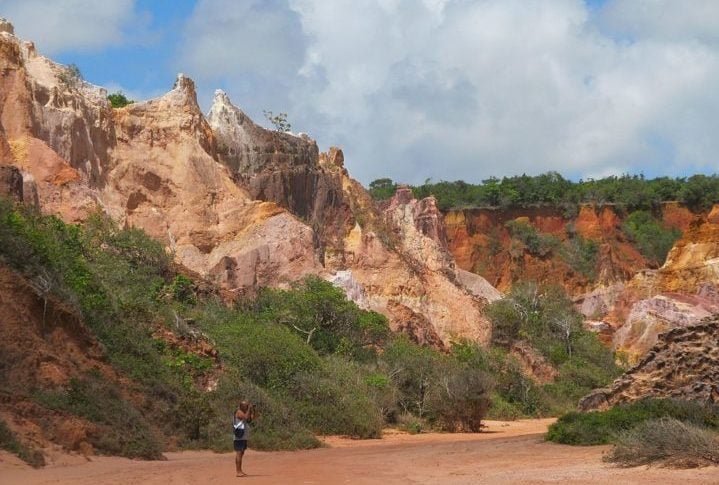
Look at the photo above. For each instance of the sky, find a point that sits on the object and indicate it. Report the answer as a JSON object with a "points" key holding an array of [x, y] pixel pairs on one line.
{"points": [[425, 89]]}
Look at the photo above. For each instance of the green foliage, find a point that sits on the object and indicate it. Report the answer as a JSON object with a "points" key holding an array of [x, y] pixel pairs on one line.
{"points": [[120, 428], [181, 289], [666, 441], [534, 242], [321, 314], [279, 121], [632, 192], [276, 426], [545, 319], [70, 76], [602, 427], [442, 389], [337, 401], [382, 189], [9, 442], [581, 255], [651, 237], [119, 100]]}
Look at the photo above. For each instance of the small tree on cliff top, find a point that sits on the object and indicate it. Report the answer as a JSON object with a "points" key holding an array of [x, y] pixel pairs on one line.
{"points": [[279, 121]]}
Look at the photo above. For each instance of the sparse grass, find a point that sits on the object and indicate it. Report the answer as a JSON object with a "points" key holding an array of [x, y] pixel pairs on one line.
{"points": [[121, 429], [9, 442], [666, 442]]}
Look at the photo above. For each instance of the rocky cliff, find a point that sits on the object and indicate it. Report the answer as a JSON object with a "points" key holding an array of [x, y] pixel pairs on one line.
{"points": [[684, 363], [682, 292], [237, 204]]}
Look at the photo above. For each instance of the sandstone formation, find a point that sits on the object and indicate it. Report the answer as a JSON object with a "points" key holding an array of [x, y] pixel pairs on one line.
{"points": [[237, 204], [682, 292], [481, 243], [684, 364]]}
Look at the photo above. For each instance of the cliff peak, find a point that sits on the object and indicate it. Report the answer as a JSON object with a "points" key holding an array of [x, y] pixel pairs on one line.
{"points": [[6, 26], [183, 93]]}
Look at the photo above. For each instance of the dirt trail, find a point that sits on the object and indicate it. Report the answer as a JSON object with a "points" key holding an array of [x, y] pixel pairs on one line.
{"points": [[509, 453]]}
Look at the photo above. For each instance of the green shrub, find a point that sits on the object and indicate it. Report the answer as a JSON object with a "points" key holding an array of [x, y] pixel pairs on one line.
{"points": [[546, 319], [460, 399], [382, 189], [121, 429], [9, 442], [534, 242], [70, 76], [651, 237], [602, 427], [666, 441], [336, 401], [119, 100], [581, 255], [322, 315], [276, 426]]}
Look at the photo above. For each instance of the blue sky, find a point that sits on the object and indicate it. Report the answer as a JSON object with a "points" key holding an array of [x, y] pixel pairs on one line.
{"points": [[415, 89]]}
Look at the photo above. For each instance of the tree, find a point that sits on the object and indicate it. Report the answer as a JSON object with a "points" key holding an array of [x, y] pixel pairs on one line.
{"points": [[383, 188], [119, 100], [279, 121], [70, 76]]}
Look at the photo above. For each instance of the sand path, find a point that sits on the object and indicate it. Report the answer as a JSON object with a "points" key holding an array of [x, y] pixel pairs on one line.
{"points": [[509, 453]]}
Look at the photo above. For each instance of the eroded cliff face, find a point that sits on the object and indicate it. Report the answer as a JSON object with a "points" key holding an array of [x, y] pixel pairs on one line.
{"points": [[286, 169], [481, 242], [684, 364], [151, 165], [237, 204], [680, 293], [407, 272]]}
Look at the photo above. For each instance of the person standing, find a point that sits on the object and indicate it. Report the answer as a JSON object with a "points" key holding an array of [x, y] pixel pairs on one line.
{"points": [[244, 414]]}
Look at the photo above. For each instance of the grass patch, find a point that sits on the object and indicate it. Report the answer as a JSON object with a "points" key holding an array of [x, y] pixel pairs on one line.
{"points": [[667, 442]]}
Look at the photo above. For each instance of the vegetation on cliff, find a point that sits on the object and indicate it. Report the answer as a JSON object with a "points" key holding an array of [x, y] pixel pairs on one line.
{"points": [[545, 318], [632, 192], [313, 362]]}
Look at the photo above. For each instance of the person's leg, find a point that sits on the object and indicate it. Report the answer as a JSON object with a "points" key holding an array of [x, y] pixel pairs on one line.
{"points": [[238, 462]]}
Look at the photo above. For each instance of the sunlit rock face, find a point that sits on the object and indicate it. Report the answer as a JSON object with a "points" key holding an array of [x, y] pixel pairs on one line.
{"points": [[239, 205], [683, 364], [151, 165], [680, 293]]}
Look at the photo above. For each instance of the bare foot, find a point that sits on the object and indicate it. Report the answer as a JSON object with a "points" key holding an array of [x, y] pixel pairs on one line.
{"points": [[242, 474]]}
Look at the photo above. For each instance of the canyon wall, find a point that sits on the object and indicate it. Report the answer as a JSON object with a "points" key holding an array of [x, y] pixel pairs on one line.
{"points": [[237, 204]]}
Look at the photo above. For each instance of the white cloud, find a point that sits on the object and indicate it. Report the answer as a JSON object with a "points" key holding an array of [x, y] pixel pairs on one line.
{"points": [[454, 89], [62, 25], [663, 19]]}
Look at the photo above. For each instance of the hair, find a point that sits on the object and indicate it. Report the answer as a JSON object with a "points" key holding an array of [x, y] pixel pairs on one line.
{"points": [[245, 406]]}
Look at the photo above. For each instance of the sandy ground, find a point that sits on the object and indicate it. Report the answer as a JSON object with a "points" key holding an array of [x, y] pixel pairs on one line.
{"points": [[508, 453]]}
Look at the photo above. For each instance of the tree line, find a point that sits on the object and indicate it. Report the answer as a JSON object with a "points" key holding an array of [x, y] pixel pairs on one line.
{"points": [[632, 192]]}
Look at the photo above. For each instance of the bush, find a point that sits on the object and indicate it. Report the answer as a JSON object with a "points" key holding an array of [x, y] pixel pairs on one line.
{"points": [[546, 319], [119, 100], [602, 427], [652, 239], [336, 401], [9, 442], [70, 76], [666, 441], [121, 429], [322, 315], [460, 399], [276, 426], [581, 255], [534, 242]]}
